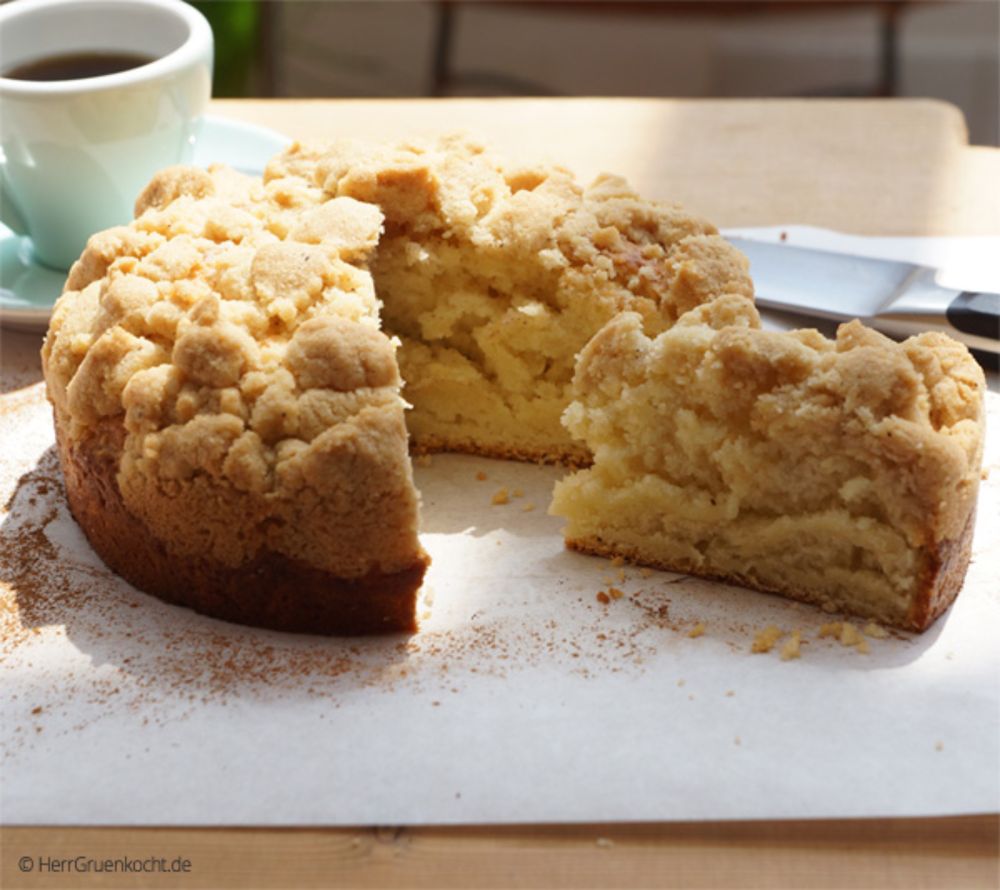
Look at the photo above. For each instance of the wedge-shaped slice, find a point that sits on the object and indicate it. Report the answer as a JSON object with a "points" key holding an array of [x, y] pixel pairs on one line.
{"points": [[228, 414], [842, 473]]}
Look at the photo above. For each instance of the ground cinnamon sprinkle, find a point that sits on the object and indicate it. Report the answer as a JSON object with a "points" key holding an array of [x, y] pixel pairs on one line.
{"points": [[154, 658]]}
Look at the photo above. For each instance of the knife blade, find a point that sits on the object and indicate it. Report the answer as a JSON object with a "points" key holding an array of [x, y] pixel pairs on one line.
{"points": [[894, 297]]}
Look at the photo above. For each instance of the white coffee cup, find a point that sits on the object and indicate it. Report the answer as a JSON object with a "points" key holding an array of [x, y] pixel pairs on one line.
{"points": [[78, 152]]}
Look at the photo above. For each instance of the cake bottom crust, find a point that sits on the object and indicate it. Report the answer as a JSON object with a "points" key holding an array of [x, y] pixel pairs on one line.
{"points": [[940, 579], [272, 591], [576, 457]]}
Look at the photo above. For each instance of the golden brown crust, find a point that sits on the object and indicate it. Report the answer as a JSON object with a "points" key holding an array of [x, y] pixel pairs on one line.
{"points": [[271, 590], [941, 578]]}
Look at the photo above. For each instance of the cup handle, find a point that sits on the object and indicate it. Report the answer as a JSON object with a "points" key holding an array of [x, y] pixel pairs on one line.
{"points": [[10, 213]]}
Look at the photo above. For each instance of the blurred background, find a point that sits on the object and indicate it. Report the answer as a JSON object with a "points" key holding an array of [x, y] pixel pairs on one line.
{"points": [[945, 49]]}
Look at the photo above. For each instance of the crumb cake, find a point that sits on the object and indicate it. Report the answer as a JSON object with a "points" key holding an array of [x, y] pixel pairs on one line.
{"points": [[228, 413], [226, 374], [494, 276], [226, 383], [838, 472]]}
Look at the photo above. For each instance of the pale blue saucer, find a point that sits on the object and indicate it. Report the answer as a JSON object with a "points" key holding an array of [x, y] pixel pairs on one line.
{"points": [[29, 289]]}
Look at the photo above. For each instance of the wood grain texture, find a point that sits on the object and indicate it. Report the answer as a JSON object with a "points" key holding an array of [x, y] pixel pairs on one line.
{"points": [[870, 167], [907, 853]]}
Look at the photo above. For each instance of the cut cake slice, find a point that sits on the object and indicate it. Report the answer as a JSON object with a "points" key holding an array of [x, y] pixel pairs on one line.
{"points": [[842, 473]]}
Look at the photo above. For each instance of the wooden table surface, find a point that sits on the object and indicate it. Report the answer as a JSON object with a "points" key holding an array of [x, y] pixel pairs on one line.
{"points": [[889, 167]]}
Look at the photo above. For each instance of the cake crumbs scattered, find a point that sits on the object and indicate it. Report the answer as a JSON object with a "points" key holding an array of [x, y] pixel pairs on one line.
{"points": [[615, 593], [737, 740], [846, 634], [681, 682], [528, 507], [481, 476], [621, 576], [792, 647], [645, 573], [850, 635], [939, 746], [603, 598], [37, 709], [518, 492], [765, 639], [618, 561], [697, 631], [500, 496], [730, 693], [875, 631]]}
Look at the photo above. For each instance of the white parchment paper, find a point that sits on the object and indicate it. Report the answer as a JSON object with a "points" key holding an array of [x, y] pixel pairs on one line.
{"points": [[522, 698]]}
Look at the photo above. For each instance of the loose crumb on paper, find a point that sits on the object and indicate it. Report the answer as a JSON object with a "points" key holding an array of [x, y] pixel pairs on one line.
{"points": [[848, 635], [481, 476], [792, 647], [765, 639], [697, 631], [501, 496]]}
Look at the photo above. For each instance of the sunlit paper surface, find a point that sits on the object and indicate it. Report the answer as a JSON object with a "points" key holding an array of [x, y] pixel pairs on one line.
{"points": [[522, 699]]}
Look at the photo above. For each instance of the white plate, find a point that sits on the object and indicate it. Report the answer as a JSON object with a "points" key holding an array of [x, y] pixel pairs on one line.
{"points": [[28, 289]]}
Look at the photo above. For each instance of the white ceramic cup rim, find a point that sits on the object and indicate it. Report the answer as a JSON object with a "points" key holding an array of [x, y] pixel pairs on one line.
{"points": [[199, 36]]}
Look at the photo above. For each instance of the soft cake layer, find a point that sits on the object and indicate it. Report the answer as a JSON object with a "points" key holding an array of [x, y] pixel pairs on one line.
{"points": [[228, 412], [495, 276], [839, 472]]}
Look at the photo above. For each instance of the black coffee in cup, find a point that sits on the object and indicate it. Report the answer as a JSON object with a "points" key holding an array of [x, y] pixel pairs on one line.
{"points": [[74, 66]]}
